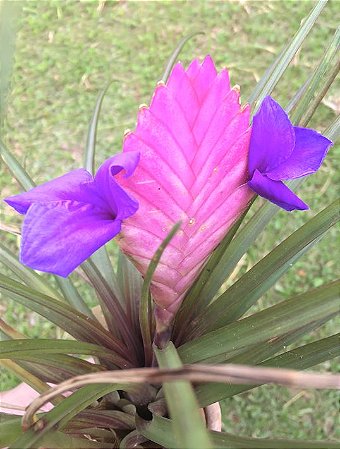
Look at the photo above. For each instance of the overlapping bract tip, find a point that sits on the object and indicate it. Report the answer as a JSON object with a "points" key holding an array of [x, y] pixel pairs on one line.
{"points": [[193, 143]]}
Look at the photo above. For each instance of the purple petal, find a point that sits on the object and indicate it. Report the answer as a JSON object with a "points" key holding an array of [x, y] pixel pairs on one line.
{"points": [[66, 187], [276, 192], [121, 203], [306, 158], [272, 139], [57, 237]]}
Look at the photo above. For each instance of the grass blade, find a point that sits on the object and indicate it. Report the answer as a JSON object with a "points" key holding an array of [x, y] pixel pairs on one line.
{"points": [[244, 293], [187, 425], [273, 75], [274, 321]]}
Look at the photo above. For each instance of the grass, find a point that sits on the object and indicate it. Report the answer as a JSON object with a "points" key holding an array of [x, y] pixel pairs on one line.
{"points": [[67, 51]]}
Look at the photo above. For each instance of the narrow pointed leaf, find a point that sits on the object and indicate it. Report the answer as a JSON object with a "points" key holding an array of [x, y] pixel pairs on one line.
{"points": [[56, 368], [90, 147], [28, 378], [244, 293], [16, 168], [159, 430], [130, 283], [145, 310], [175, 54], [113, 419], [31, 349], [72, 296], [187, 424], [64, 412], [300, 358], [331, 58], [10, 428], [100, 258], [75, 323], [113, 311], [272, 322], [29, 277], [333, 131], [272, 76]]}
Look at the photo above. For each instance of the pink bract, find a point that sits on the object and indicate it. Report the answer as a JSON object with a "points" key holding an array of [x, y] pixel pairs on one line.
{"points": [[193, 142]]}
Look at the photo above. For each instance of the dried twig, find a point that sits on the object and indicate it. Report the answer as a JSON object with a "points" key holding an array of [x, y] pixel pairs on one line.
{"points": [[232, 374]]}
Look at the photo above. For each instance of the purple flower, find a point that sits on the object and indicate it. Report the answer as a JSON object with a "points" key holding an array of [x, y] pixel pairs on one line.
{"points": [[279, 151], [69, 218]]}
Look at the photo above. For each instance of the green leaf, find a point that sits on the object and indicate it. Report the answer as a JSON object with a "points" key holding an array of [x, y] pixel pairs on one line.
{"points": [[145, 312], [10, 14], [110, 419], [130, 283], [16, 168], [275, 72], [27, 349], [10, 428], [159, 431], [320, 82], [75, 323], [64, 412], [90, 147], [272, 322], [55, 368], [300, 358], [56, 440], [100, 258], [28, 276], [187, 425], [27, 377], [333, 131], [235, 301], [113, 311], [173, 58], [72, 296]]}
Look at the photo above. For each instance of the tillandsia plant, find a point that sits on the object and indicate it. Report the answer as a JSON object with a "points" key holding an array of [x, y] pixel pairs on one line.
{"points": [[167, 343]]}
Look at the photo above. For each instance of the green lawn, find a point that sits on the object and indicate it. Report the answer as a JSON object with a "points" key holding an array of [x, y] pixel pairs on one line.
{"points": [[68, 50]]}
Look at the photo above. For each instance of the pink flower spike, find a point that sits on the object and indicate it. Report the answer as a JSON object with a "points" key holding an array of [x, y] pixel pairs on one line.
{"points": [[193, 142]]}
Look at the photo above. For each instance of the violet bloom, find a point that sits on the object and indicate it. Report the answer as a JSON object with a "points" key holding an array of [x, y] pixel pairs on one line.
{"points": [[69, 218], [193, 142], [280, 151]]}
